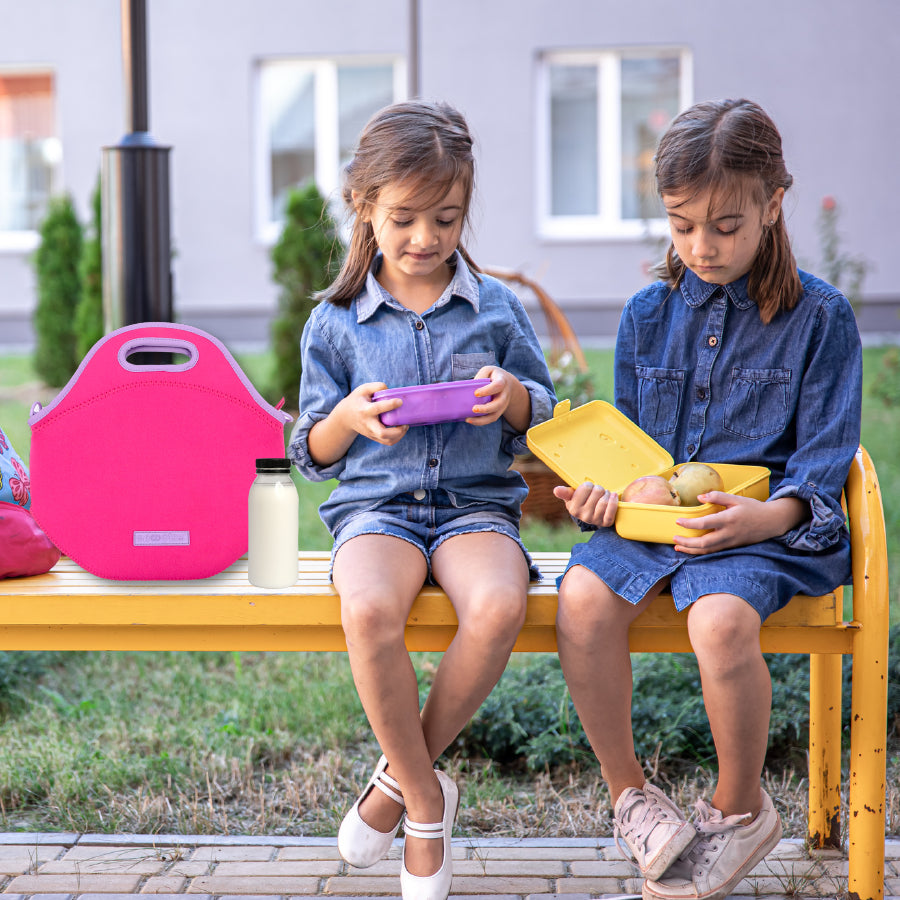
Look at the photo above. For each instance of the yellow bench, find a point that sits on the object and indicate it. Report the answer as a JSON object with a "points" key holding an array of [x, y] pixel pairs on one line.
{"points": [[69, 609]]}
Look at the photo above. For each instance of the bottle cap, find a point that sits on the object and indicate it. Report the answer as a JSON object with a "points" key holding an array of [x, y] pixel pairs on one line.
{"points": [[273, 465]]}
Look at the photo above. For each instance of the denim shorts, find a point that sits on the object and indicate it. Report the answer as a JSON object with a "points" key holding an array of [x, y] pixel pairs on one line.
{"points": [[426, 519]]}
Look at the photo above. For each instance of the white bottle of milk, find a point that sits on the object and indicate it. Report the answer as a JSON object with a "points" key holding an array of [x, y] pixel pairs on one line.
{"points": [[274, 513]]}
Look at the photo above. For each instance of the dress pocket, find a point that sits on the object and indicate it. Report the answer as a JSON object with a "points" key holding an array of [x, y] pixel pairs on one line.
{"points": [[757, 402], [467, 365], [659, 399]]}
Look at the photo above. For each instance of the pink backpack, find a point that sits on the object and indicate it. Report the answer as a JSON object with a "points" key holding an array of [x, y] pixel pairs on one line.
{"points": [[24, 548], [140, 469]]}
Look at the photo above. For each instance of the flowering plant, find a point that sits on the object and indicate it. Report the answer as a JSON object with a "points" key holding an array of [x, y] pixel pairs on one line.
{"points": [[843, 270], [570, 381]]}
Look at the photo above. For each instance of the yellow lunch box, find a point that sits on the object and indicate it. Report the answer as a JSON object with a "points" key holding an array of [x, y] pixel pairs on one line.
{"points": [[595, 442]]}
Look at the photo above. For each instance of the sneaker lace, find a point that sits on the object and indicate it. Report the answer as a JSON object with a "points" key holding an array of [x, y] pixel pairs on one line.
{"points": [[638, 828], [713, 829]]}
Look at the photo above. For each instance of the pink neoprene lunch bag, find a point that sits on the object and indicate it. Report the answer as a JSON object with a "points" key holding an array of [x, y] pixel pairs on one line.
{"points": [[140, 469]]}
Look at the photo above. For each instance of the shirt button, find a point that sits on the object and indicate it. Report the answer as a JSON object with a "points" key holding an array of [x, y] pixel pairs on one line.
{"points": [[691, 448], [713, 341], [701, 394], [419, 325], [718, 294], [419, 494], [432, 462]]}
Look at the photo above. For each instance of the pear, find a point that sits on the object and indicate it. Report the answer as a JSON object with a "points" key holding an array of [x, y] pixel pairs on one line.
{"points": [[693, 479], [653, 489]]}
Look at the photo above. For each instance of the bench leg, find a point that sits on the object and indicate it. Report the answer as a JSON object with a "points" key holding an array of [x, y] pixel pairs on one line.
{"points": [[868, 739], [824, 750]]}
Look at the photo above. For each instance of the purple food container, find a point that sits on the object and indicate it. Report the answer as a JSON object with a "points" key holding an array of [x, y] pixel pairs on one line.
{"points": [[430, 404]]}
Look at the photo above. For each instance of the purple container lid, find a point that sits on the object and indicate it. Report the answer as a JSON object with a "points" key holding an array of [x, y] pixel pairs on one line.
{"points": [[430, 404]]}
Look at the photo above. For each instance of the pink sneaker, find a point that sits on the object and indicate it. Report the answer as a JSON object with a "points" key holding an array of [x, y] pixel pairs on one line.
{"points": [[726, 849], [652, 827]]}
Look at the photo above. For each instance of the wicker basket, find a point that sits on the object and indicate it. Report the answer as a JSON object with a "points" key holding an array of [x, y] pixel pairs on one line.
{"points": [[540, 503]]}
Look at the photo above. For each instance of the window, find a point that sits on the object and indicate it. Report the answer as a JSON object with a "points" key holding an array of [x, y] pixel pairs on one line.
{"points": [[600, 118], [310, 115], [30, 154]]}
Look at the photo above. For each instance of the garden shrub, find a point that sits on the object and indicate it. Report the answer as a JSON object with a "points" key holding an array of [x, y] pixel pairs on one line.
{"points": [[529, 718], [19, 667], [306, 259], [59, 289], [89, 312]]}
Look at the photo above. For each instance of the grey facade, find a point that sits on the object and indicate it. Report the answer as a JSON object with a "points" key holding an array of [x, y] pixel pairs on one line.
{"points": [[825, 69]]}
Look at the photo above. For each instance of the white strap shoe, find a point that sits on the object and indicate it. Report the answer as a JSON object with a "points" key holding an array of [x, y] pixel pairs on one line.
{"points": [[360, 844], [436, 886]]}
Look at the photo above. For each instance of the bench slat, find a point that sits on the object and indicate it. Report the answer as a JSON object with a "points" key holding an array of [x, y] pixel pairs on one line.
{"points": [[69, 608]]}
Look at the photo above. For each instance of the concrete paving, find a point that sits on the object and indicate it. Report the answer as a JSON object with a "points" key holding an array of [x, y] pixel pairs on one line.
{"points": [[102, 867]]}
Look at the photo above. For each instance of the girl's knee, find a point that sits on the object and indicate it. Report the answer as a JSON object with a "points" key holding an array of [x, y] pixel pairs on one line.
{"points": [[587, 605], [372, 617], [724, 631], [495, 615]]}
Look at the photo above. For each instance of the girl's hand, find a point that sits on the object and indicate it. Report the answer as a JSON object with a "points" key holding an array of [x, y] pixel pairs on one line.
{"points": [[360, 413], [591, 503], [331, 437], [510, 399], [743, 521]]}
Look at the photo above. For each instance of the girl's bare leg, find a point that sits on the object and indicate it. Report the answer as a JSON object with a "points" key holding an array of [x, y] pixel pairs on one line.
{"points": [[378, 578], [737, 693], [485, 575], [592, 634], [486, 578]]}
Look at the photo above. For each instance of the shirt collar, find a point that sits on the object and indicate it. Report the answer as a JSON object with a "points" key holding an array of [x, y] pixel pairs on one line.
{"points": [[696, 291], [463, 284]]}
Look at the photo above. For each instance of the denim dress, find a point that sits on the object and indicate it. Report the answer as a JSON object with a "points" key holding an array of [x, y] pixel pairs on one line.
{"points": [[477, 321], [697, 370]]}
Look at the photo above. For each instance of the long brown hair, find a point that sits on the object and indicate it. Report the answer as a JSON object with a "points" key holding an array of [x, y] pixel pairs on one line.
{"points": [[424, 146], [727, 147]]}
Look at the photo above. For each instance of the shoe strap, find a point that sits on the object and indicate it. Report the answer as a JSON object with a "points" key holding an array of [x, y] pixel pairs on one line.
{"points": [[431, 830], [389, 786]]}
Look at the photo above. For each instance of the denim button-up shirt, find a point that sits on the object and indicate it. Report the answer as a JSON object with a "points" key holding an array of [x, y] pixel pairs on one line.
{"points": [[697, 370], [475, 322]]}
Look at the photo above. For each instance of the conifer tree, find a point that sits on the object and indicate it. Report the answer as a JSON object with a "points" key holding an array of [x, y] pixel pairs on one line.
{"points": [[89, 312], [59, 288], [306, 259]]}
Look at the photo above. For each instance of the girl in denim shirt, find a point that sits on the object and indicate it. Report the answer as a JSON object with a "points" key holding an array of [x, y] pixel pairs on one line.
{"points": [[734, 357], [435, 501]]}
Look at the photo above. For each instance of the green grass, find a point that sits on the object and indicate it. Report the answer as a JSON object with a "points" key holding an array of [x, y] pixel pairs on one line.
{"points": [[128, 741], [258, 743]]}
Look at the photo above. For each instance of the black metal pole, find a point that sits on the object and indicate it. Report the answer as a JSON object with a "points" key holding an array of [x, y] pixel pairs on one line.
{"points": [[414, 49], [134, 56], [137, 276]]}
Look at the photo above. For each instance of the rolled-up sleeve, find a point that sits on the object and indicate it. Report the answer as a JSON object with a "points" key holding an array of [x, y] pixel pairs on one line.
{"points": [[828, 427], [524, 358], [323, 384]]}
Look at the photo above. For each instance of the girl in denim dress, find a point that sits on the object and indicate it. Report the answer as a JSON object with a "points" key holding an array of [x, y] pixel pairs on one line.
{"points": [[735, 356], [433, 501]]}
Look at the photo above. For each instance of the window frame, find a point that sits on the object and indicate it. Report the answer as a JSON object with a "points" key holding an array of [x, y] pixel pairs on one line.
{"points": [[607, 223], [26, 240], [326, 129]]}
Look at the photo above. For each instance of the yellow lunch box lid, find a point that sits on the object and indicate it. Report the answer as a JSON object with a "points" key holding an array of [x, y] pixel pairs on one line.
{"points": [[595, 442]]}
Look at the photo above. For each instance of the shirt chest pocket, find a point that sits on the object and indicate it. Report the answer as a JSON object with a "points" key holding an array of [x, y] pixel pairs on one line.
{"points": [[757, 403], [659, 399], [467, 365]]}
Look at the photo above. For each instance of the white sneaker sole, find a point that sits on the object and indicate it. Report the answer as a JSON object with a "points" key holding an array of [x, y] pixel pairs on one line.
{"points": [[669, 852]]}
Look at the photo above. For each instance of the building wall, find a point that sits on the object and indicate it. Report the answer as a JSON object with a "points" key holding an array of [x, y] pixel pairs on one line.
{"points": [[823, 68]]}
